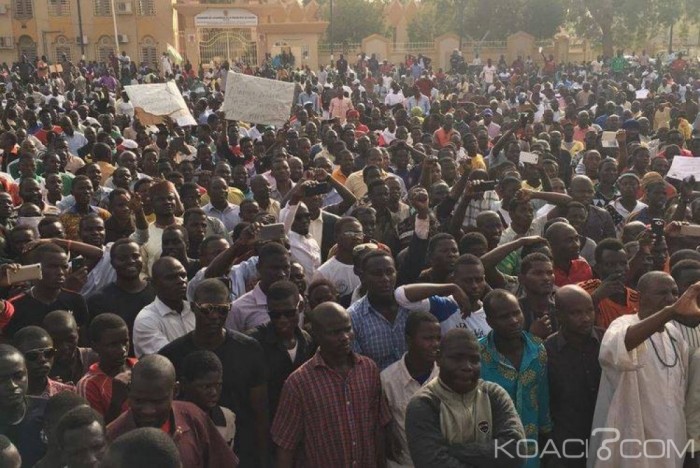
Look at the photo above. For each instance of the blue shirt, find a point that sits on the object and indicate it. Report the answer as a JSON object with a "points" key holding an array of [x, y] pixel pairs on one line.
{"points": [[424, 104], [528, 386], [312, 98], [375, 337]]}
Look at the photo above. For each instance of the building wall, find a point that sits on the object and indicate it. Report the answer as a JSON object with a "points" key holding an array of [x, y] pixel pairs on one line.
{"points": [[53, 26]]}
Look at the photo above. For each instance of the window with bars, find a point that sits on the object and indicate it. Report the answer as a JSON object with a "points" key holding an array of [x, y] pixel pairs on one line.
{"points": [[27, 46], [105, 47], [149, 55], [146, 7], [59, 7], [62, 47], [103, 8], [23, 9]]}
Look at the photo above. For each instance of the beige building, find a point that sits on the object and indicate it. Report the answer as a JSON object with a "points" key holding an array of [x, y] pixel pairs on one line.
{"points": [[244, 31], [203, 33], [53, 28]]}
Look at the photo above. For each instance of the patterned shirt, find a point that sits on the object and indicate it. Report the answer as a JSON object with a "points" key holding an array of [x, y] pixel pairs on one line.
{"points": [[489, 202], [71, 220], [96, 388], [527, 386], [375, 337], [332, 419]]}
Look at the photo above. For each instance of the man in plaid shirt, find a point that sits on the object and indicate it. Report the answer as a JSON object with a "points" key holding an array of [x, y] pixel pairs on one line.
{"points": [[334, 411]]}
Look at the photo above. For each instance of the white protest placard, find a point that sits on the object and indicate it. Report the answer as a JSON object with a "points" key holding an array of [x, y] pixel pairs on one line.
{"points": [[641, 94], [153, 102], [257, 100], [529, 158], [684, 166], [609, 140]]}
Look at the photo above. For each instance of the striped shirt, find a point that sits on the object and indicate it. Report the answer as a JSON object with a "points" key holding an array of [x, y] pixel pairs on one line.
{"points": [[96, 387], [375, 337], [332, 419]]}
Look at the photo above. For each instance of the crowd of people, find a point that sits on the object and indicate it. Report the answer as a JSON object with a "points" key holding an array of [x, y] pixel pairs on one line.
{"points": [[486, 266]]}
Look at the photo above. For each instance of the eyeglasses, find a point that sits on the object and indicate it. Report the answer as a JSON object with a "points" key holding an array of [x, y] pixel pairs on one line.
{"points": [[210, 309], [35, 354], [277, 314]]}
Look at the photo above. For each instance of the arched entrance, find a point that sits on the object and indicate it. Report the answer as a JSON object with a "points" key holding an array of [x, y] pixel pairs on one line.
{"points": [[233, 45], [27, 46]]}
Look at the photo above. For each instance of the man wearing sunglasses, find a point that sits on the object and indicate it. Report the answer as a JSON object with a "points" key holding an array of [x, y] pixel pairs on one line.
{"points": [[244, 389], [36, 345], [285, 344]]}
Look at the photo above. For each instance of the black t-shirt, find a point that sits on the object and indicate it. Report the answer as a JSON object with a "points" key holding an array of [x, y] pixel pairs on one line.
{"points": [[244, 368], [127, 305], [30, 311]]}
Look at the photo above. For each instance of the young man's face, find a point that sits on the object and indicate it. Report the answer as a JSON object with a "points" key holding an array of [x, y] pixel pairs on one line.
{"points": [[113, 346], [204, 391]]}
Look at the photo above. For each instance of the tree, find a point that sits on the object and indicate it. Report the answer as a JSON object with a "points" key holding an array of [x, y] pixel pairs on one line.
{"points": [[612, 20], [353, 20], [543, 18], [494, 19]]}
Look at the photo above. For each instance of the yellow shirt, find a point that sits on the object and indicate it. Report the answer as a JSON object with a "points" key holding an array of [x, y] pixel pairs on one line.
{"points": [[235, 196]]}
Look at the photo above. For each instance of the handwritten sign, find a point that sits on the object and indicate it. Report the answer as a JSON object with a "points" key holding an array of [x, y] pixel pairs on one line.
{"points": [[257, 100], [153, 102], [684, 166]]}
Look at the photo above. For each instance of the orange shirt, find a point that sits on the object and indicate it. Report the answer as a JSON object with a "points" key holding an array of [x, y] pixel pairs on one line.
{"points": [[608, 310], [579, 271]]}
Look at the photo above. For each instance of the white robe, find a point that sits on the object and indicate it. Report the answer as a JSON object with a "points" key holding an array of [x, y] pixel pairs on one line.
{"points": [[639, 399]]}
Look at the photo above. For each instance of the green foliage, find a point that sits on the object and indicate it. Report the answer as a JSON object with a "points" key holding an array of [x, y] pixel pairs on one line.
{"points": [[353, 20], [616, 23], [496, 19]]}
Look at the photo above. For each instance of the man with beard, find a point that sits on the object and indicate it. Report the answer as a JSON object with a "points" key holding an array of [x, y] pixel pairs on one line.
{"points": [[457, 419], [642, 393], [151, 404]]}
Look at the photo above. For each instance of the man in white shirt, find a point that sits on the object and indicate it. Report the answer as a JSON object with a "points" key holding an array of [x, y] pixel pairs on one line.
{"points": [[340, 268], [169, 316], [163, 200], [642, 392], [166, 67], [405, 377], [302, 245], [488, 73]]}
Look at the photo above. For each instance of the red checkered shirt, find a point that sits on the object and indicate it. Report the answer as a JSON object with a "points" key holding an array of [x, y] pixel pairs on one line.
{"points": [[96, 387], [331, 419]]}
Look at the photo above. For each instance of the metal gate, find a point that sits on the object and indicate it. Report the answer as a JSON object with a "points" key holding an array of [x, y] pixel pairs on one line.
{"points": [[236, 46]]}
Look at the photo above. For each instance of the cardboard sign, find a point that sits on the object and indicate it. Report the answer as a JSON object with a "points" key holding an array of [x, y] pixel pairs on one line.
{"points": [[684, 166], [153, 102], [257, 100]]}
